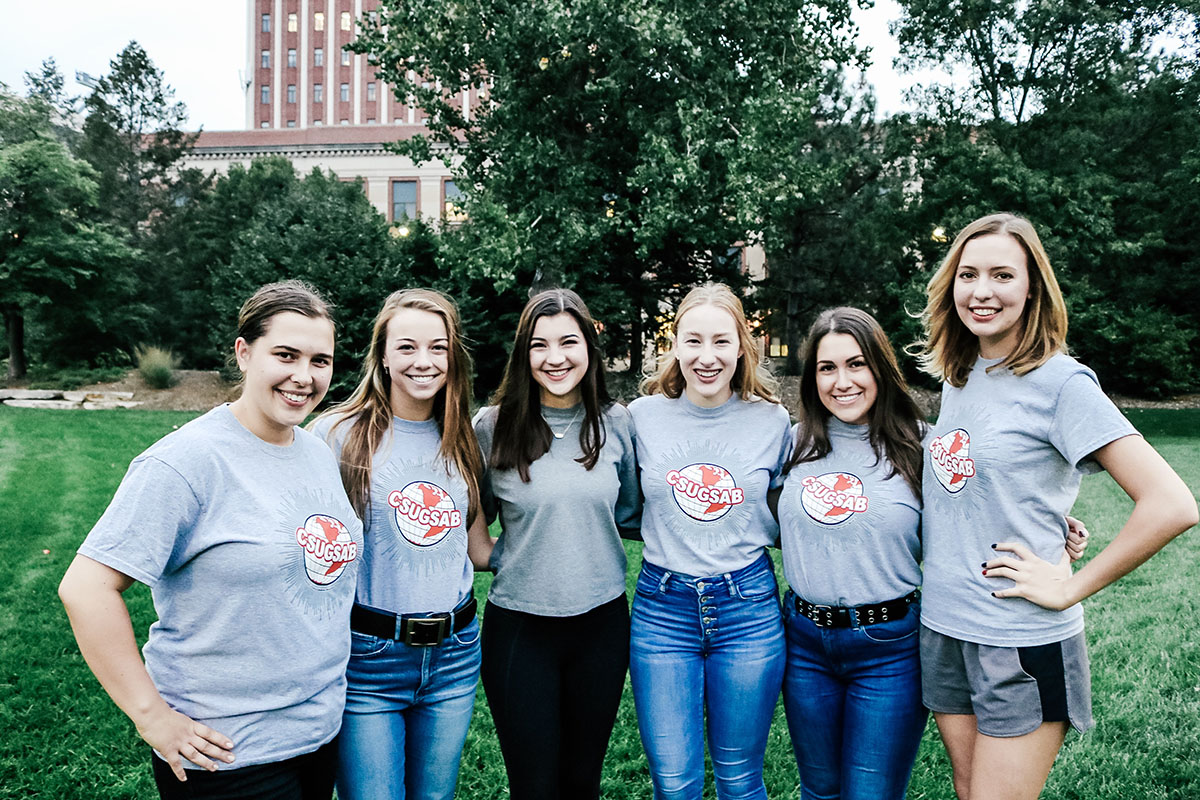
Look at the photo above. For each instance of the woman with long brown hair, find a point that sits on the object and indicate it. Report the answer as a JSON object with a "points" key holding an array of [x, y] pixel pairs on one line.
{"points": [[411, 467], [563, 479]]}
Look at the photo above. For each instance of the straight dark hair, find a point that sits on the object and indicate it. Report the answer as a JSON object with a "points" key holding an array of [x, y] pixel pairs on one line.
{"points": [[895, 421], [522, 435]]}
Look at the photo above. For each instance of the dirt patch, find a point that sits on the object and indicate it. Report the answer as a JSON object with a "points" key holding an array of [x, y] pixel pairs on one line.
{"points": [[197, 390]]}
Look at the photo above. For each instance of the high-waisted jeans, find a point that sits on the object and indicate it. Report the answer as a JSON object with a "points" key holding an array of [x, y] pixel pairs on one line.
{"points": [[712, 645], [853, 703], [407, 713]]}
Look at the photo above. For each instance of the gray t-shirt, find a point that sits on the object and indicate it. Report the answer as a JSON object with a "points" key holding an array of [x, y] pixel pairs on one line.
{"points": [[561, 554], [250, 551], [705, 473], [1003, 463], [850, 534], [415, 559]]}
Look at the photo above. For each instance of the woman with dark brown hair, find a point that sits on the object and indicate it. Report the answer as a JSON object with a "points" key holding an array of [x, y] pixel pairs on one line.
{"points": [[562, 477]]}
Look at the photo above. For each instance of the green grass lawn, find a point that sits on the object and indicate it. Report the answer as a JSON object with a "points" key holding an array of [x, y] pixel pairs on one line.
{"points": [[63, 738]]}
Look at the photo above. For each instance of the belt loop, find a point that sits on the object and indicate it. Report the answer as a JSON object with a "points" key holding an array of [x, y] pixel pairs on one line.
{"points": [[854, 623], [662, 584], [730, 584]]}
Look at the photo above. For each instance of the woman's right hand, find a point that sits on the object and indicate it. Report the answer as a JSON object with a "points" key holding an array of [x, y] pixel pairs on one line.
{"points": [[176, 736]]}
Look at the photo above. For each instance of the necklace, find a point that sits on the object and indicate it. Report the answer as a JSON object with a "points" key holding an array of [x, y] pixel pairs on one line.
{"points": [[567, 427]]}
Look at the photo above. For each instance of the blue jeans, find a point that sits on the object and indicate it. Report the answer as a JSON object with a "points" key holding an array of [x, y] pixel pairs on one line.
{"points": [[407, 713], [853, 703], [710, 645]]}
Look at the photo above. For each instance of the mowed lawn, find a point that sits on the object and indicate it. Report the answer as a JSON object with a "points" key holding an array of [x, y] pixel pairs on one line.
{"points": [[63, 738]]}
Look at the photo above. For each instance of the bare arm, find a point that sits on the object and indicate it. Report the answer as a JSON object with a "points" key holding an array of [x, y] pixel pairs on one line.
{"points": [[479, 543], [91, 593], [1163, 508]]}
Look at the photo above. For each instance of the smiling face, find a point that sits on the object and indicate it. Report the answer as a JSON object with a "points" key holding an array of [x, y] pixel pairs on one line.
{"points": [[286, 373], [845, 383], [416, 359], [558, 359], [991, 286], [708, 350]]}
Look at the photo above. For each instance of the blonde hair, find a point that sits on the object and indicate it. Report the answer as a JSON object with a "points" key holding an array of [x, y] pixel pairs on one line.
{"points": [[369, 408], [751, 378], [949, 349]]}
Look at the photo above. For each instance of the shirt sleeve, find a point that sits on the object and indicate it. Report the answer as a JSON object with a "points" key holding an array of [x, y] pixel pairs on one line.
{"points": [[484, 423], [629, 498], [1085, 420], [783, 448], [147, 524]]}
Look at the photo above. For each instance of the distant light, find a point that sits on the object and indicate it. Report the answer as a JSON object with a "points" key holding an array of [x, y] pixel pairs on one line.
{"points": [[401, 231], [939, 234]]}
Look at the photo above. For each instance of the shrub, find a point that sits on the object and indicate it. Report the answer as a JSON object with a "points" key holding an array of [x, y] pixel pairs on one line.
{"points": [[157, 366]]}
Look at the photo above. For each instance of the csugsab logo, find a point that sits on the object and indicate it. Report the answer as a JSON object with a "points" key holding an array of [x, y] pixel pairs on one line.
{"points": [[425, 513], [705, 492], [833, 498], [327, 546], [952, 464]]}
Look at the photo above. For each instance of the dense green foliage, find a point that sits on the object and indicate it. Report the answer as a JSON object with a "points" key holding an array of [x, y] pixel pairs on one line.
{"points": [[64, 738]]}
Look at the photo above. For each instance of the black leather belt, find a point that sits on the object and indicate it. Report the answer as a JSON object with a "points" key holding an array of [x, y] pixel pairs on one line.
{"points": [[420, 630], [854, 616]]}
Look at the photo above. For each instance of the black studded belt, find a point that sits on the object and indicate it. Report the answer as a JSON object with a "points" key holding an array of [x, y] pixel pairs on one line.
{"points": [[854, 616], [421, 630]]}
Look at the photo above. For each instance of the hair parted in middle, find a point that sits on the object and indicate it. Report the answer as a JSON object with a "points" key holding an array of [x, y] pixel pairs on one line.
{"points": [[522, 435], [368, 411], [752, 379], [894, 422], [949, 349]]}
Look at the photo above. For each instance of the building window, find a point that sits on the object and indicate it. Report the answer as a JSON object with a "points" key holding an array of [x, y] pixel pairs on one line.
{"points": [[318, 122], [264, 124], [318, 57], [293, 23], [345, 20], [371, 121], [291, 93], [291, 57], [452, 208], [291, 123], [345, 122], [266, 23], [373, 16], [345, 93], [777, 348], [265, 59], [264, 94], [371, 92], [319, 21], [345, 58], [318, 93], [404, 200]]}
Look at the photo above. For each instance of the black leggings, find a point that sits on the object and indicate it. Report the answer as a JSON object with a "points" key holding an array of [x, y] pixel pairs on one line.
{"points": [[306, 777], [553, 685]]}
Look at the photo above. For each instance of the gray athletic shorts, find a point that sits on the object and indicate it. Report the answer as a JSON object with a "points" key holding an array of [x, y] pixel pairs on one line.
{"points": [[1010, 690]]}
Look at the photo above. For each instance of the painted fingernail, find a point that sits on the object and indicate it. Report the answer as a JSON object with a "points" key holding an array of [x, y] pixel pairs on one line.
{"points": [[985, 572], [984, 564], [993, 546], [993, 594]]}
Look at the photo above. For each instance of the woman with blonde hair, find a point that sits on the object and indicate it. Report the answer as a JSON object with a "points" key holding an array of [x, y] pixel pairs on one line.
{"points": [[1003, 659], [411, 466], [707, 640]]}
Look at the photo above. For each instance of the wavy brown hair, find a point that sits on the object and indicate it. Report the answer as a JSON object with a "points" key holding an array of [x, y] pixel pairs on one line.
{"points": [[368, 411], [750, 379], [895, 419], [949, 349], [522, 435]]}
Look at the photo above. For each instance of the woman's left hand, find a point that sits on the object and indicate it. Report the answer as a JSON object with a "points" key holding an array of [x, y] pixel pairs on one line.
{"points": [[1077, 538], [1036, 580]]}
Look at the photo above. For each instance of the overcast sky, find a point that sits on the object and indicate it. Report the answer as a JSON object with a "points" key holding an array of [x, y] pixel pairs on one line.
{"points": [[201, 48]]}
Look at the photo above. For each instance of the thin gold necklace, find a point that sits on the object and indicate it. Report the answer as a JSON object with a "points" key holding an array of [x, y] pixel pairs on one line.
{"points": [[567, 427]]}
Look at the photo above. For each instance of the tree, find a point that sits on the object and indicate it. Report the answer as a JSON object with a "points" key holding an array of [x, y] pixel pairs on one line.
{"points": [[607, 146], [47, 248], [133, 137]]}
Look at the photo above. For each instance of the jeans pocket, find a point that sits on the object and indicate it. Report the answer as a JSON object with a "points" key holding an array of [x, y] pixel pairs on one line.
{"points": [[469, 635], [647, 585], [363, 645], [758, 587], [895, 631]]}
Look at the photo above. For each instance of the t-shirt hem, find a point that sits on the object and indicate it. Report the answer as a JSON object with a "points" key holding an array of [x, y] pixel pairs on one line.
{"points": [[264, 759], [1014, 639], [511, 604]]}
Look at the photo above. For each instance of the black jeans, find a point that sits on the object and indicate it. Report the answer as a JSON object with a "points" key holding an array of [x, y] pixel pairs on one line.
{"points": [[306, 777], [553, 685]]}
